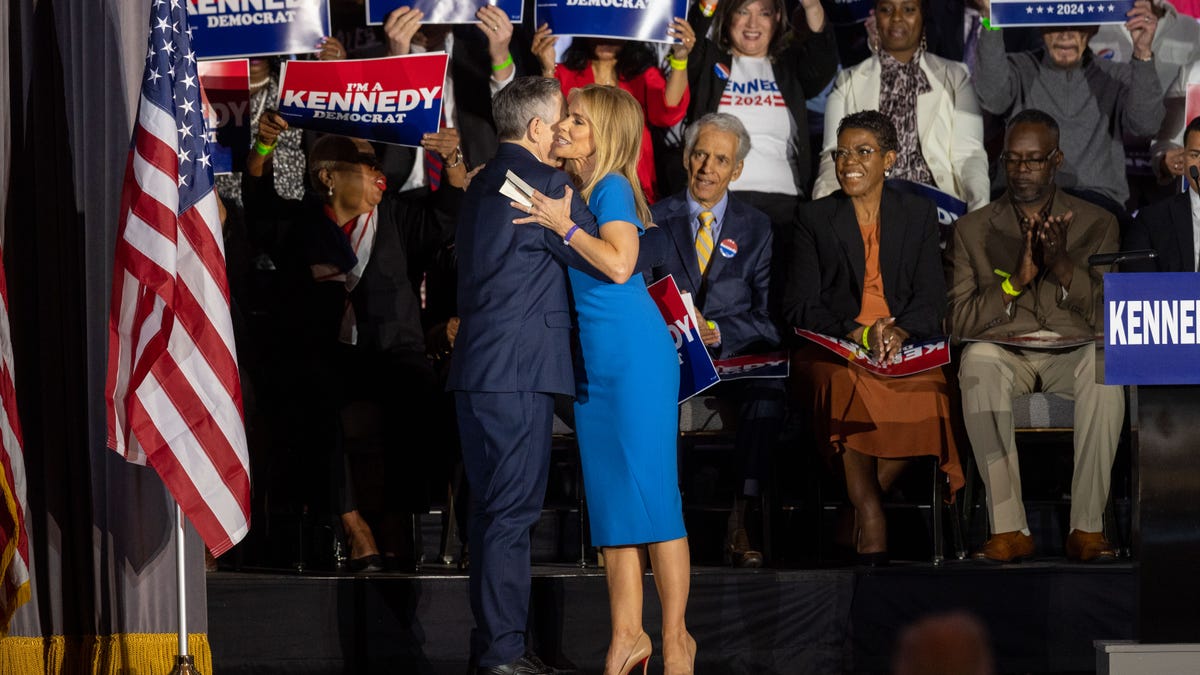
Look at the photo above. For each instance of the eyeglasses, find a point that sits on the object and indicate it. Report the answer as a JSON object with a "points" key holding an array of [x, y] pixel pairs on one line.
{"points": [[1031, 163], [863, 153]]}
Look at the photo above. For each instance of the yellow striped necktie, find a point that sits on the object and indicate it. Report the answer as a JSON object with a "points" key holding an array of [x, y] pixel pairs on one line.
{"points": [[704, 240]]}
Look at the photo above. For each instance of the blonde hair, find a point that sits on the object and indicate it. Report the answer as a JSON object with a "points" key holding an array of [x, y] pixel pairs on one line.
{"points": [[616, 120]]}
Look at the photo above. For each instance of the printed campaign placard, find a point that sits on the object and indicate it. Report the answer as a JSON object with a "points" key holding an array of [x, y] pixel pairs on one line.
{"points": [[645, 20], [442, 11], [225, 99], [696, 370], [1058, 13], [915, 357], [848, 12], [226, 28], [754, 366], [949, 207], [1152, 328], [394, 100]]}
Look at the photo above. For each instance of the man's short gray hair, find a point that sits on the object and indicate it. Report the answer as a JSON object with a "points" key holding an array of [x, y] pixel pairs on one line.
{"points": [[522, 100], [723, 122]]}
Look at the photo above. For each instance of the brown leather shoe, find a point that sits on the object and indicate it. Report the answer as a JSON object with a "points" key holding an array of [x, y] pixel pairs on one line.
{"points": [[738, 552], [1006, 547], [1089, 547]]}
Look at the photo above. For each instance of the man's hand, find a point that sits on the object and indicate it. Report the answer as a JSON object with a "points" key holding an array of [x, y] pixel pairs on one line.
{"points": [[1054, 248], [452, 329], [709, 336], [1174, 162], [1141, 24], [1026, 268], [400, 26]]}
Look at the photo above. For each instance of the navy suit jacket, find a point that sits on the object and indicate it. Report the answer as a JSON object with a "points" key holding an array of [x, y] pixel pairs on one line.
{"points": [[1166, 227], [734, 292], [513, 301], [825, 274]]}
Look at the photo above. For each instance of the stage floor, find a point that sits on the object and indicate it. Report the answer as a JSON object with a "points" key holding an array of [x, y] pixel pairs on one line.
{"points": [[1043, 617]]}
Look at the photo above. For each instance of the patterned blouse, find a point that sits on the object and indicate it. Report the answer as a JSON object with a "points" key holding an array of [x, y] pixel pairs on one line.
{"points": [[899, 87]]}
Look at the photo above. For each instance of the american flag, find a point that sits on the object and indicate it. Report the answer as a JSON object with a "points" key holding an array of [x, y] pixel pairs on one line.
{"points": [[14, 540], [174, 397]]}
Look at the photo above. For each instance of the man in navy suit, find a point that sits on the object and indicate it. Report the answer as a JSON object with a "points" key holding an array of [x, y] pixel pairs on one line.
{"points": [[722, 256], [512, 355], [1172, 226]]}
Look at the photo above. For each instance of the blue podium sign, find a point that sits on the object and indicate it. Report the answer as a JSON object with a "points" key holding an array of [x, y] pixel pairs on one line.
{"points": [[1151, 331]]}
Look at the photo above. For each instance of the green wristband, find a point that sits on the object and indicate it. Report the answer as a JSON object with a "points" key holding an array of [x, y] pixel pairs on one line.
{"points": [[987, 24], [866, 329], [262, 149], [497, 67]]}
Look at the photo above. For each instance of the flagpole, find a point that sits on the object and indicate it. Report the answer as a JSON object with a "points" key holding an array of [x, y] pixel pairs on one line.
{"points": [[184, 665]]}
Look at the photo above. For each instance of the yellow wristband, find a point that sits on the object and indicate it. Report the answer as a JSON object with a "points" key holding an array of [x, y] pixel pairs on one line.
{"points": [[676, 64], [866, 329], [1008, 289]]}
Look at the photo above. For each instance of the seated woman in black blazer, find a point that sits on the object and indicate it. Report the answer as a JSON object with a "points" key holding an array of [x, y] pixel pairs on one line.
{"points": [[866, 267]]}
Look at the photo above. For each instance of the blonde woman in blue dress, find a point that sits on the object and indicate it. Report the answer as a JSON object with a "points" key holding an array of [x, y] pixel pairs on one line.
{"points": [[626, 417]]}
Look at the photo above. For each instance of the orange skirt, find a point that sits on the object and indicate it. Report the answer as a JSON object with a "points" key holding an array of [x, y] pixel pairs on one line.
{"points": [[891, 417]]}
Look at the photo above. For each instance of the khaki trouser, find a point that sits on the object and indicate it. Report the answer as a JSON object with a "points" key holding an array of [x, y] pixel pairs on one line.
{"points": [[991, 376]]}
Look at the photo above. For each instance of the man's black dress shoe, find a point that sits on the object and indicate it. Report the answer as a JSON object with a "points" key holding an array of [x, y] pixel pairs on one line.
{"points": [[529, 664], [368, 563]]}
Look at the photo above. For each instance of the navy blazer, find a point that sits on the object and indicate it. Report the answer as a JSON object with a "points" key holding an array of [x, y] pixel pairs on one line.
{"points": [[515, 331], [823, 292], [1166, 227], [734, 292]]}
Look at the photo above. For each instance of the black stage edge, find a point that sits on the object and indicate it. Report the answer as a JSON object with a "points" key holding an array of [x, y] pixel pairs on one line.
{"points": [[1043, 617]]}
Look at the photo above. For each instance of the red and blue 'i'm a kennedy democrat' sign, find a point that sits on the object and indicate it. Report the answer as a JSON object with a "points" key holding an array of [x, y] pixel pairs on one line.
{"points": [[226, 28], [696, 369], [393, 100], [1058, 13]]}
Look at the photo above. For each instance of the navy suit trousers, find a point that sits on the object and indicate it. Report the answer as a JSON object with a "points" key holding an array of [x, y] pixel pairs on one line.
{"points": [[506, 452]]}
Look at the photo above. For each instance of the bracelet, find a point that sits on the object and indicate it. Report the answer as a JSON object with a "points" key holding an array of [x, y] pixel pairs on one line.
{"points": [[676, 64], [866, 329], [1008, 289], [1148, 59], [457, 158], [264, 149], [987, 24], [497, 67], [570, 233]]}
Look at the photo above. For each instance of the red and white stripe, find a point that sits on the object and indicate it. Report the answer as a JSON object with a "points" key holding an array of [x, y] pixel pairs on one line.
{"points": [[174, 394], [14, 539]]}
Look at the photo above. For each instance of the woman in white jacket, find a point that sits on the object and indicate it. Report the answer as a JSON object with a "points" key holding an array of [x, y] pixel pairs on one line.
{"points": [[930, 100]]}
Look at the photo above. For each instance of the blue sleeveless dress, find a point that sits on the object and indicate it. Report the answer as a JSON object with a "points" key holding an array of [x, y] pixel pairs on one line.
{"points": [[626, 412]]}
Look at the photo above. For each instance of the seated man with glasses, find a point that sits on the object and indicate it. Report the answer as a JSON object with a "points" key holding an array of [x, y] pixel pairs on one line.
{"points": [[1020, 275]]}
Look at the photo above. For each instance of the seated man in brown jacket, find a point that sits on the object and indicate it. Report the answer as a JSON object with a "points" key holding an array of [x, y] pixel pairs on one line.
{"points": [[1020, 274]]}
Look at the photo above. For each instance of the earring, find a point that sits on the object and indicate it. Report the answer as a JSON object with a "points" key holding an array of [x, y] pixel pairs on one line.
{"points": [[331, 190], [924, 44]]}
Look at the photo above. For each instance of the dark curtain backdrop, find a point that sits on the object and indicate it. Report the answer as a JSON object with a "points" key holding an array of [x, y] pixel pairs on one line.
{"points": [[102, 530]]}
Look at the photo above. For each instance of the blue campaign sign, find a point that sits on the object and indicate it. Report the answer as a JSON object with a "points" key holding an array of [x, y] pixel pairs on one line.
{"points": [[227, 28], [949, 207], [442, 11], [1151, 328], [645, 20], [1058, 13], [848, 12]]}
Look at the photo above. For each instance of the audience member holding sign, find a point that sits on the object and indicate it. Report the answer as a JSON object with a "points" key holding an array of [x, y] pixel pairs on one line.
{"points": [[625, 410], [865, 265], [930, 100]]}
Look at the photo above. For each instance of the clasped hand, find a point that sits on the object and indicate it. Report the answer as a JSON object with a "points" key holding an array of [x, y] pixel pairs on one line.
{"points": [[1050, 236], [886, 339]]}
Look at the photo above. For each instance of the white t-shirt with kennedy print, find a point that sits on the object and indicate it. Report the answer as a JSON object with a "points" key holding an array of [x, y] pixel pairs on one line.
{"points": [[752, 95]]}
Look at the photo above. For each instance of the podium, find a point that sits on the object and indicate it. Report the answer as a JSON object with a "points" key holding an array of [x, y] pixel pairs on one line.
{"points": [[1152, 343]]}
